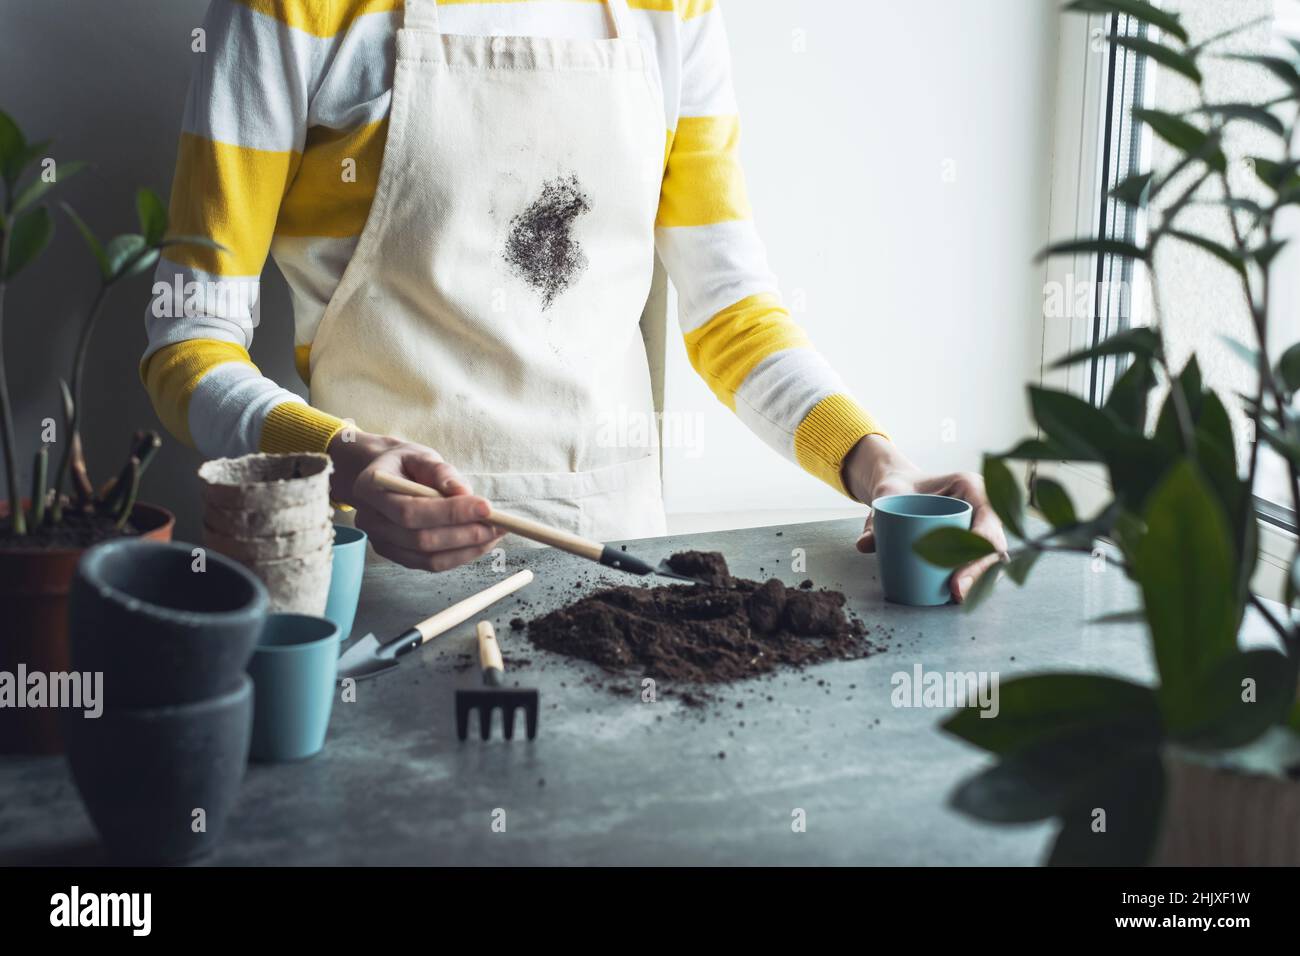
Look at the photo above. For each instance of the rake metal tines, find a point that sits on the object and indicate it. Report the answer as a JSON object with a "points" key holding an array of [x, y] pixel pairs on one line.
{"points": [[494, 697]]}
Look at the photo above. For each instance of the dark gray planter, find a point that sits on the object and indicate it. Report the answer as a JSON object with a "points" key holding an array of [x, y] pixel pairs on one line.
{"points": [[144, 773], [160, 632]]}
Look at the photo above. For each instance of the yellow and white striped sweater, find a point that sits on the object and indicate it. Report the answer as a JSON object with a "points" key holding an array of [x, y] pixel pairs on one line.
{"points": [[288, 92]]}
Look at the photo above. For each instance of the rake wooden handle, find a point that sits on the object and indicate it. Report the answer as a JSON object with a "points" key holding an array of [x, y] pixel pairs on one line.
{"points": [[489, 655], [524, 527], [462, 611]]}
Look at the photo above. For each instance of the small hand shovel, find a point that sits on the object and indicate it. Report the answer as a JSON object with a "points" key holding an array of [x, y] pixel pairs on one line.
{"points": [[368, 658], [494, 695], [604, 554]]}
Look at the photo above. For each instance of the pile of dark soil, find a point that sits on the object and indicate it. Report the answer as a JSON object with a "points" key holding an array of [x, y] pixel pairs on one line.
{"points": [[727, 631]]}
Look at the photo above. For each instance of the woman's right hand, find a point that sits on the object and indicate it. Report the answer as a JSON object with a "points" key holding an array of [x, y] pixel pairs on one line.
{"points": [[430, 534]]}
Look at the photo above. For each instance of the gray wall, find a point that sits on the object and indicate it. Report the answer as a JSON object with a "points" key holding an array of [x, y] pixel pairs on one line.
{"points": [[106, 82]]}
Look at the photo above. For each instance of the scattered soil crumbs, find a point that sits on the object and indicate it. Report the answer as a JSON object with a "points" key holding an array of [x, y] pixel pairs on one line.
{"points": [[704, 634]]}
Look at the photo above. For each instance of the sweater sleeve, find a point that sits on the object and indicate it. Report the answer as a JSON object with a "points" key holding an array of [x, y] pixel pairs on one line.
{"points": [[739, 336], [241, 143]]}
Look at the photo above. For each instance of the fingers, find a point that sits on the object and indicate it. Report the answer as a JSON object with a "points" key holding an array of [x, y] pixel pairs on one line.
{"points": [[436, 561], [867, 540], [427, 467], [985, 523], [449, 537], [964, 578]]}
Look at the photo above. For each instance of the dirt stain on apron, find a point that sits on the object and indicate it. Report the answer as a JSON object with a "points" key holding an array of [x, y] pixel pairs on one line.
{"points": [[540, 248]]}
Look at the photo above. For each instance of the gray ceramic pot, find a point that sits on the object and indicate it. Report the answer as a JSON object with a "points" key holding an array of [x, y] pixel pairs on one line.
{"points": [[159, 782], [161, 631]]}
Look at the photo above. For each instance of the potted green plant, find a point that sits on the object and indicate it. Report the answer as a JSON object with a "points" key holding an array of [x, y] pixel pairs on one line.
{"points": [[45, 527], [1195, 769]]}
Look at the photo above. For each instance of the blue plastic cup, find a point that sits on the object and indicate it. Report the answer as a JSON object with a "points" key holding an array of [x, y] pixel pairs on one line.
{"points": [[293, 670], [345, 578], [900, 521]]}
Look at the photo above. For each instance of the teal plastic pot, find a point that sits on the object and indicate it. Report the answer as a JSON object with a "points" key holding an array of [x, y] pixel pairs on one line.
{"points": [[293, 670], [902, 520], [345, 577]]}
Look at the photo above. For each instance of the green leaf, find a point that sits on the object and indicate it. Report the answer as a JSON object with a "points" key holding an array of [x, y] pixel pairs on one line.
{"points": [[12, 143], [1131, 394], [953, 547], [1266, 253], [121, 253], [1239, 699], [1102, 247], [1284, 445], [37, 188], [1246, 112], [1054, 502], [91, 242], [1018, 568], [1139, 9], [152, 216], [13, 170], [1165, 56], [982, 588], [1084, 431], [1242, 351], [1131, 793], [1219, 251], [1134, 191], [1185, 567], [1283, 69], [1032, 449], [1037, 708], [31, 234], [1142, 341], [1279, 177], [1288, 368], [1183, 136], [1051, 777], [1004, 494]]}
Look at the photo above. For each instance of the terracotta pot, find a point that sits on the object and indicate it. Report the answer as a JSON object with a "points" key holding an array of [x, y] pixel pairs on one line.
{"points": [[34, 585], [1217, 817]]}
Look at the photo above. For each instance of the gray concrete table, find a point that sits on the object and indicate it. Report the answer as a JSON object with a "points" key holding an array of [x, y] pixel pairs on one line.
{"points": [[611, 779]]}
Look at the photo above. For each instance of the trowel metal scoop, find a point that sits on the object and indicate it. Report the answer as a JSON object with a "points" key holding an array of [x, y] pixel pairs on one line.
{"points": [[608, 555], [369, 658]]}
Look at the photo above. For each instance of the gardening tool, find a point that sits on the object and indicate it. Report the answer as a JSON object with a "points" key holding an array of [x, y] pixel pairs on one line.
{"points": [[605, 554], [485, 700], [368, 658]]}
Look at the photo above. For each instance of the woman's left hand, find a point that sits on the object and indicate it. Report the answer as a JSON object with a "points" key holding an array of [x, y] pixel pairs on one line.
{"points": [[875, 467]]}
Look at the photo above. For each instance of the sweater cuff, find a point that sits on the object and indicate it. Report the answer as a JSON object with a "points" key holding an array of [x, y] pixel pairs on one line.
{"points": [[828, 433], [297, 427]]}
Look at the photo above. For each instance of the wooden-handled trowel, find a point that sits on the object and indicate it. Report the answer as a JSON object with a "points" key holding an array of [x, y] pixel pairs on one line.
{"points": [[369, 658]]}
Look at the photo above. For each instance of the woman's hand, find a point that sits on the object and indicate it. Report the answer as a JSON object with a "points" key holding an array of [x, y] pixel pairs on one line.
{"points": [[875, 468], [426, 533]]}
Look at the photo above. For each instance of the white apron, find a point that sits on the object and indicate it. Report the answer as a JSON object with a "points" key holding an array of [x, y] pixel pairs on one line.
{"points": [[491, 308]]}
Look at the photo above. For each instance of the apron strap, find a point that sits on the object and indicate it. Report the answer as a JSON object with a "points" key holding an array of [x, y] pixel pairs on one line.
{"points": [[621, 19], [421, 14]]}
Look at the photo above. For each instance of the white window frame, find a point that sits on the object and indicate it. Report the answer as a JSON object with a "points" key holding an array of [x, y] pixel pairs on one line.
{"points": [[1075, 210]]}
